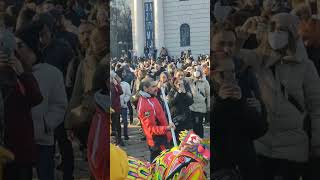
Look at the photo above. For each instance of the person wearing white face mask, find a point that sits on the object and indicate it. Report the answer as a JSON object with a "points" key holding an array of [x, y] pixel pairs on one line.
{"points": [[290, 88], [201, 101], [278, 40]]}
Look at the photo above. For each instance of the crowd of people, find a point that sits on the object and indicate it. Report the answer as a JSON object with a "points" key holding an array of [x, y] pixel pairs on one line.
{"points": [[58, 83], [137, 87], [266, 91], [50, 54]]}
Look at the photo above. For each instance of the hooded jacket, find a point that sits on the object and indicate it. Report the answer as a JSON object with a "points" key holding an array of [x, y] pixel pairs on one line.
{"points": [[149, 111], [290, 89], [98, 141], [281, 79], [50, 113], [126, 95], [201, 95]]}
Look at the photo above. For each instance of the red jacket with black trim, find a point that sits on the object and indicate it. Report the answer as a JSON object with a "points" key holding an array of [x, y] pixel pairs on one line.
{"points": [[149, 109], [99, 145]]}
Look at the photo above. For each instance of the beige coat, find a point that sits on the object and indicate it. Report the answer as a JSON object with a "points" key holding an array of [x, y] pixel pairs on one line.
{"points": [[286, 138], [201, 101], [82, 106]]}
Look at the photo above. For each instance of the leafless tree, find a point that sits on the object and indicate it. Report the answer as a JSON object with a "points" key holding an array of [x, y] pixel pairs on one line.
{"points": [[121, 30]]}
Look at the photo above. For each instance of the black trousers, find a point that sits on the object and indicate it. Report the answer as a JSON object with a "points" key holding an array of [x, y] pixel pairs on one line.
{"points": [[66, 151], [13, 171], [207, 117], [130, 112], [154, 153], [116, 126], [197, 121], [287, 170], [82, 134]]}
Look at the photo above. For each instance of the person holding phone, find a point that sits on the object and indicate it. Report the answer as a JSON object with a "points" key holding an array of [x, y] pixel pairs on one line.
{"points": [[236, 117], [201, 101], [20, 93], [179, 100]]}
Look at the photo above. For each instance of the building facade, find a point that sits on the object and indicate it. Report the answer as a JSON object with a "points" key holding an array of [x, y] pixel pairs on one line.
{"points": [[178, 25]]}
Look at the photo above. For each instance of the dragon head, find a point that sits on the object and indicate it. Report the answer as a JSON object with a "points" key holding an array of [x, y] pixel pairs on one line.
{"points": [[191, 142]]}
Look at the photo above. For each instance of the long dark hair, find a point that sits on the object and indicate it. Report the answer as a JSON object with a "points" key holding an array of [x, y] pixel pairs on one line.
{"points": [[29, 34], [101, 76]]}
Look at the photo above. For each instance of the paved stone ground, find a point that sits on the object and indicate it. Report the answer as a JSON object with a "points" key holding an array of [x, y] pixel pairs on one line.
{"points": [[134, 147], [137, 148], [81, 171]]}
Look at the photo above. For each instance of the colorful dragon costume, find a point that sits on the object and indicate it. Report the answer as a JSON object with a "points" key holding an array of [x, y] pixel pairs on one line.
{"points": [[185, 162]]}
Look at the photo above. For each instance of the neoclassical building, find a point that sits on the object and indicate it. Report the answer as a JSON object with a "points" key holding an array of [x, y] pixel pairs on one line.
{"points": [[178, 25]]}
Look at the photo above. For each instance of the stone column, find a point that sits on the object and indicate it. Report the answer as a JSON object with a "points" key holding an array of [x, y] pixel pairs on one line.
{"points": [[138, 27], [159, 24]]}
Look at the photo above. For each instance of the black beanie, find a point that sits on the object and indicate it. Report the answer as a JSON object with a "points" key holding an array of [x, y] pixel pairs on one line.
{"points": [[29, 34]]}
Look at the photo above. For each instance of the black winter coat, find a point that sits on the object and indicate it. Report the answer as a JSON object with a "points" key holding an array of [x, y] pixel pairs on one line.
{"points": [[179, 104], [235, 127], [314, 55]]}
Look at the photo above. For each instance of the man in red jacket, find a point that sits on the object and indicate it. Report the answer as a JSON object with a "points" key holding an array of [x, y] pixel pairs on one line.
{"points": [[153, 119]]}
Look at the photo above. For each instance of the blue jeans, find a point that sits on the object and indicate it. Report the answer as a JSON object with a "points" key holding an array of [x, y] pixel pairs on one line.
{"points": [[45, 162], [124, 115]]}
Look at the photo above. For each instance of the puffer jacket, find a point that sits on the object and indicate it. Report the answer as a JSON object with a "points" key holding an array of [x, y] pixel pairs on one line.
{"points": [[201, 95], [281, 80], [126, 96], [50, 113]]}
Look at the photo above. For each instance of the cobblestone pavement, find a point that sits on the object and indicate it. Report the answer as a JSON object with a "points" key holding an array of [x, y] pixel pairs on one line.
{"points": [[137, 148], [81, 171], [134, 147]]}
